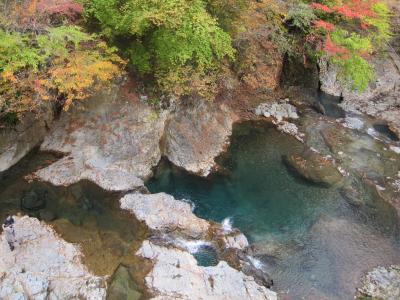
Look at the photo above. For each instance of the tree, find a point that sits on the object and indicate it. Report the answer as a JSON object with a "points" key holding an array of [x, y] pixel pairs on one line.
{"points": [[167, 39]]}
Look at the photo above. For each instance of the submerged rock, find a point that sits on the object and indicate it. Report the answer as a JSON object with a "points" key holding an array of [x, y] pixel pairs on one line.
{"points": [[176, 275], [110, 141], [43, 266], [381, 283], [196, 134], [164, 213], [122, 287], [314, 167], [34, 199]]}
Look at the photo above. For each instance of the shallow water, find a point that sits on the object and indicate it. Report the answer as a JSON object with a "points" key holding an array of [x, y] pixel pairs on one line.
{"points": [[82, 213], [312, 242]]}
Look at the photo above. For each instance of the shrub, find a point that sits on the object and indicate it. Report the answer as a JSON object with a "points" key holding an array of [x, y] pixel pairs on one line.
{"points": [[64, 64], [352, 29]]}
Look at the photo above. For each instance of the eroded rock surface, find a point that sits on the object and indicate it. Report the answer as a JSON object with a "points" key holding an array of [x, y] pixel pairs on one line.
{"points": [[16, 142], [196, 134], [110, 141], [43, 266], [176, 275], [381, 283], [164, 213]]}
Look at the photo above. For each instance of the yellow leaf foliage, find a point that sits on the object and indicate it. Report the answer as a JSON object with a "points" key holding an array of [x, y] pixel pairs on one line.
{"points": [[84, 73]]}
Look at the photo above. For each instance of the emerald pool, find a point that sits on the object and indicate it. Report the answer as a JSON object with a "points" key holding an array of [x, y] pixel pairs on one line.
{"points": [[311, 241]]}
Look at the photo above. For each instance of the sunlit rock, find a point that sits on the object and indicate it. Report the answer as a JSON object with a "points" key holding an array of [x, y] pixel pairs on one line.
{"points": [[43, 266], [110, 141], [163, 212], [176, 275], [381, 283], [196, 134]]}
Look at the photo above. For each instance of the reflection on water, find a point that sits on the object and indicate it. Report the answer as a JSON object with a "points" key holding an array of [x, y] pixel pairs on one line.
{"points": [[314, 243]]}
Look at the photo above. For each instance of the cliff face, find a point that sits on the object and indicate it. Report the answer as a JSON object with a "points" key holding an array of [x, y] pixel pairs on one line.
{"points": [[16, 142]]}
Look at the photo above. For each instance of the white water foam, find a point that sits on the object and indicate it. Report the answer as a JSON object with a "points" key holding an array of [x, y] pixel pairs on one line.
{"points": [[190, 202], [256, 262], [227, 224], [192, 246]]}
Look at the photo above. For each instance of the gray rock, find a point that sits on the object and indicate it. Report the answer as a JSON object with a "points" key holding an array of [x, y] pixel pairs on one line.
{"points": [[110, 141], [381, 283], [16, 142], [381, 99], [162, 212], [236, 240], [196, 134], [279, 110], [43, 266], [387, 79], [176, 275]]}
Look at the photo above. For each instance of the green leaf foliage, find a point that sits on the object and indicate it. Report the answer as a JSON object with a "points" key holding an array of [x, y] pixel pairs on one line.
{"points": [[164, 36], [356, 70]]}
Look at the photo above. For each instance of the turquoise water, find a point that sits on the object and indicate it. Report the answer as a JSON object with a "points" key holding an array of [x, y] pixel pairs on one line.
{"points": [[311, 241]]}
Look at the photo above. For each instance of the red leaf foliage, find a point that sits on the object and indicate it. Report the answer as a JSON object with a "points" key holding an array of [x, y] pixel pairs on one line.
{"points": [[320, 24], [322, 7], [333, 49], [352, 9], [67, 8]]}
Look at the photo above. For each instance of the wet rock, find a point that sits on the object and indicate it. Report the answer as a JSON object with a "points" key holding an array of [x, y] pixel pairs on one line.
{"points": [[352, 196], [236, 240], [381, 283], [314, 167], [110, 141], [16, 142], [34, 199], [122, 286], [176, 275], [163, 212], [196, 134], [43, 266]]}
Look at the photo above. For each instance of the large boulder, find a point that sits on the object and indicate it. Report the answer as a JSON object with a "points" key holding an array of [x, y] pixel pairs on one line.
{"points": [[196, 134], [162, 212], [381, 283], [110, 140], [43, 266], [314, 167], [176, 275], [382, 97], [17, 141]]}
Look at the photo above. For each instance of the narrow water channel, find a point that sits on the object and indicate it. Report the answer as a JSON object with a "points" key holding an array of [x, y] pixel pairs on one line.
{"points": [[313, 243]]}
